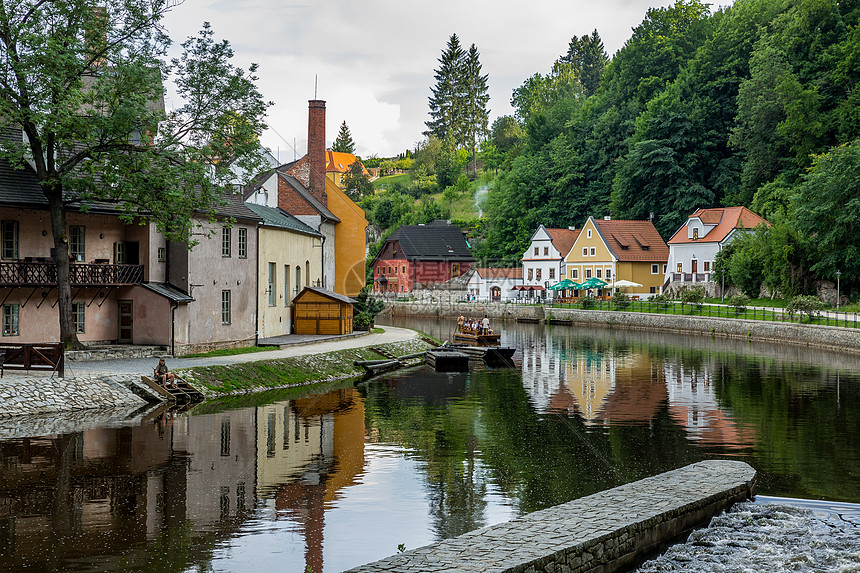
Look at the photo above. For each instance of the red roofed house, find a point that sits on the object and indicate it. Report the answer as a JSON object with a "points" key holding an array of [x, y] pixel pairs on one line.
{"points": [[694, 247], [619, 250], [543, 261], [494, 285]]}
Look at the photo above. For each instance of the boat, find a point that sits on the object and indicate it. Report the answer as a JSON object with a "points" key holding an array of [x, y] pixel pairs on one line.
{"points": [[447, 359], [491, 355], [479, 339]]}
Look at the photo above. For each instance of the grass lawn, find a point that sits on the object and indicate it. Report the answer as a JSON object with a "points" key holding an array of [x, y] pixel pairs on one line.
{"points": [[388, 181], [231, 351], [766, 302]]}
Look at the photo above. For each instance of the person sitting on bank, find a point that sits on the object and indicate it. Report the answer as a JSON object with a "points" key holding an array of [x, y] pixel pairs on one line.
{"points": [[163, 375]]}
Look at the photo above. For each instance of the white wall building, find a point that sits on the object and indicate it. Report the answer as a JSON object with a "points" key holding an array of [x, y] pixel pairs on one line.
{"points": [[544, 259], [494, 285]]}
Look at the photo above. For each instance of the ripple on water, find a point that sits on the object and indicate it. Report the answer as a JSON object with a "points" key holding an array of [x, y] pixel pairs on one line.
{"points": [[765, 537]]}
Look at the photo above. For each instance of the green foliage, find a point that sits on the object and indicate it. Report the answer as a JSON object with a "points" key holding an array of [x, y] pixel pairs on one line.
{"points": [[739, 302], [588, 58], [620, 300], [587, 302], [693, 296], [365, 310], [343, 143], [805, 304], [356, 182]]}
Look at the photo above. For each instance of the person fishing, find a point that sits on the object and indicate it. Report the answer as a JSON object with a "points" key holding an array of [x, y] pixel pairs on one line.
{"points": [[163, 375]]}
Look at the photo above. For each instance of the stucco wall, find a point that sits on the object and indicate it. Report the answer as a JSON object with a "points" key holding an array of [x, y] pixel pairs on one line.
{"points": [[350, 238]]}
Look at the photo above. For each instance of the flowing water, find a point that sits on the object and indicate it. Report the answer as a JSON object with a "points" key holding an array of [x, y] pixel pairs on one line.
{"points": [[330, 479]]}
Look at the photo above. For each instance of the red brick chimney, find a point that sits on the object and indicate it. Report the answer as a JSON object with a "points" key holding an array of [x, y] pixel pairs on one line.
{"points": [[316, 149]]}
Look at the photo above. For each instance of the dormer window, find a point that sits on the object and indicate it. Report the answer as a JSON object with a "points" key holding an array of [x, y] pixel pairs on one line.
{"points": [[695, 233]]}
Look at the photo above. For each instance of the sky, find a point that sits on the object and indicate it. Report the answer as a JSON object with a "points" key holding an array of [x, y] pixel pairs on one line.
{"points": [[373, 61]]}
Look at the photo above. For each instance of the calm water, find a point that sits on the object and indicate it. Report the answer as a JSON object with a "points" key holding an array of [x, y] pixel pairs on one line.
{"points": [[289, 480]]}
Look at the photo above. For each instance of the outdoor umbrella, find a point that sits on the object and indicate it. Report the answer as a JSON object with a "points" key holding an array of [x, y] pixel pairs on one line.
{"points": [[624, 284], [566, 284], [593, 283]]}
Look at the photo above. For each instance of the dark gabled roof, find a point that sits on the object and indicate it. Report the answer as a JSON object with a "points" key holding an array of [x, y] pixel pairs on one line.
{"points": [[167, 291], [434, 241], [329, 293], [273, 217], [235, 209], [256, 183], [308, 196]]}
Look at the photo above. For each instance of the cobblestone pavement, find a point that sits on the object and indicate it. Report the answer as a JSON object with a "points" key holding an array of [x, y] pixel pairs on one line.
{"points": [[301, 347]]}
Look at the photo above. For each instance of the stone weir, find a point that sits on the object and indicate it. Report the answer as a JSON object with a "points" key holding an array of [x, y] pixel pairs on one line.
{"points": [[607, 531]]}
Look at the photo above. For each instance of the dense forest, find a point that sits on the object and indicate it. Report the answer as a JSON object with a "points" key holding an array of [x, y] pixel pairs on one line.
{"points": [[756, 104]]}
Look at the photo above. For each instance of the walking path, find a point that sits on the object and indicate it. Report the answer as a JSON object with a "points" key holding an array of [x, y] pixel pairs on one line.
{"points": [[297, 346]]}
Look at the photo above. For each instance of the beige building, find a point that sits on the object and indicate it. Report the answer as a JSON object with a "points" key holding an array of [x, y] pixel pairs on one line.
{"points": [[289, 260]]}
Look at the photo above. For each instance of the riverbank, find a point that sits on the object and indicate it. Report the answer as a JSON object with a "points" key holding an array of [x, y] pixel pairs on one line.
{"points": [[99, 384], [829, 337]]}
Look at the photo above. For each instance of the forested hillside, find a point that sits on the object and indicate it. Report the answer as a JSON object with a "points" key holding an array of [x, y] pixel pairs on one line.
{"points": [[755, 105]]}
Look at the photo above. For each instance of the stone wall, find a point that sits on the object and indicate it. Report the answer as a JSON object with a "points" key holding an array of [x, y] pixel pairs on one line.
{"points": [[607, 531], [830, 337], [22, 395]]}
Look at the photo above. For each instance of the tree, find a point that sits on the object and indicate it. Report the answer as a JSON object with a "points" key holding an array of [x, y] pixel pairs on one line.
{"points": [[344, 143], [356, 182], [475, 112], [447, 99], [588, 58], [82, 84]]}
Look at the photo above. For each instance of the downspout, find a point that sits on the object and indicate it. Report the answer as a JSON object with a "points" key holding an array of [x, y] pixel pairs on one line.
{"points": [[257, 292], [173, 306]]}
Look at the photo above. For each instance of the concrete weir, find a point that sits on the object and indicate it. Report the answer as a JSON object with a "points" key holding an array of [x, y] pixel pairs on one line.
{"points": [[603, 532]]}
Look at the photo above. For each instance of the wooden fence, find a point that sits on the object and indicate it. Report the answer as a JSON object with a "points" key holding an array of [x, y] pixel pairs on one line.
{"points": [[48, 356]]}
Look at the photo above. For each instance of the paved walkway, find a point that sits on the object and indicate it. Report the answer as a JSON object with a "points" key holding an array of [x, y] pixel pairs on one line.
{"points": [[298, 347]]}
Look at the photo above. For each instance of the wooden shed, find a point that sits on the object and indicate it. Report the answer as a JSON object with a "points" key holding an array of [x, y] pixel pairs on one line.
{"points": [[321, 311]]}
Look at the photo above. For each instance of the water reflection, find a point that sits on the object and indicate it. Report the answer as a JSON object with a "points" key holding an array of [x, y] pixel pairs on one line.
{"points": [[291, 480]]}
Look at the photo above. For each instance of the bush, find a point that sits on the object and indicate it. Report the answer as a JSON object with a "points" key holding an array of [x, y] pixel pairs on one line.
{"points": [[693, 296], [588, 301], [804, 304], [620, 300], [660, 298], [739, 302]]}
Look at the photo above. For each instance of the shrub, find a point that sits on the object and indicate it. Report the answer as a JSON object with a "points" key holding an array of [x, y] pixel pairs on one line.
{"points": [[804, 304], [588, 301], [620, 300], [693, 296], [739, 302]]}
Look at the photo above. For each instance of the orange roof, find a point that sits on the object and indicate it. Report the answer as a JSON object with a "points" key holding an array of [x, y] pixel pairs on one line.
{"points": [[339, 162], [633, 240], [488, 273], [726, 220], [563, 239]]}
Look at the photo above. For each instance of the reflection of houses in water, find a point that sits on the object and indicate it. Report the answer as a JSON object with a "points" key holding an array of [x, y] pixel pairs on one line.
{"points": [[543, 357], [693, 404], [307, 451]]}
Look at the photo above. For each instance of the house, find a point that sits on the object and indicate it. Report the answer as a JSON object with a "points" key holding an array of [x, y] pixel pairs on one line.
{"points": [[543, 261], [322, 311], [288, 261], [694, 247], [612, 250], [337, 165], [418, 255], [494, 285], [305, 191]]}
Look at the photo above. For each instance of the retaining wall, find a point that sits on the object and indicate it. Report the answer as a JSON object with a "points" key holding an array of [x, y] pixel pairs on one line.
{"points": [[25, 395], [603, 532], [831, 337]]}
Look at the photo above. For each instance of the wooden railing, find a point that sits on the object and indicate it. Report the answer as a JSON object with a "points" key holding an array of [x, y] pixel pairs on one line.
{"points": [[48, 356], [691, 277], [27, 273]]}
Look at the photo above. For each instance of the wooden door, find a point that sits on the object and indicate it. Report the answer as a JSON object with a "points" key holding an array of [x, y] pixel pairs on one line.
{"points": [[125, 320], [695, 267]]}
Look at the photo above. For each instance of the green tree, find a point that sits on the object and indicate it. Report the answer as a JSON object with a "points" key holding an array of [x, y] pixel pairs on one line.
{"points": [[343, 143], [475, 99], [82, 84], [446, 101], [588, 57], [356, 182]]}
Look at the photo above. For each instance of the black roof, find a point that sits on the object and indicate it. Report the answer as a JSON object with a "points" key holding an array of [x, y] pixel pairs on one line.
{"points": [[235, 208], [438, 240]]}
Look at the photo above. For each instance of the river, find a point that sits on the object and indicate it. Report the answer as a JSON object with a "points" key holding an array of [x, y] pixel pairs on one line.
{"points": [[326, 480]]}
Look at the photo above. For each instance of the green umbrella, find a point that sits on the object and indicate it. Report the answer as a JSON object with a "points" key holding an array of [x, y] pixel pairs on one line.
{"points": [[593, 283], [566, 284]]}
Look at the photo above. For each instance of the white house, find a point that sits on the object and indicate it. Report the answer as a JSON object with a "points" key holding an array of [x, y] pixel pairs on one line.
{"points": [[544, 259], [694, 247], [494, 285]]}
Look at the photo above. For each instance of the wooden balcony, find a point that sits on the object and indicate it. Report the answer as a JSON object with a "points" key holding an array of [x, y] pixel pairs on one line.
{"points": [[44, 274]]}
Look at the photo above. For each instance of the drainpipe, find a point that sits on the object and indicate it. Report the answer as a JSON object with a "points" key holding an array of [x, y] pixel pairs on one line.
{"points": [[173, 307], [257, 292]]}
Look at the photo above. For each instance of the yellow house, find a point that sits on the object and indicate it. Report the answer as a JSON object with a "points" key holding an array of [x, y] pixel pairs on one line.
{"points": [[619, 250], [337, 166], [288, 261], [350, 236]]}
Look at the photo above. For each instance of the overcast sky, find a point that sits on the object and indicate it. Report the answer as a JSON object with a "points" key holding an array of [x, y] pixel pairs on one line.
{"points": [[375, 59]]}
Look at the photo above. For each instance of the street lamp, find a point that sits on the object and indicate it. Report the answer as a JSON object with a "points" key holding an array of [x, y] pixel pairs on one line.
{"points": [[838, 274], [723, 287]]}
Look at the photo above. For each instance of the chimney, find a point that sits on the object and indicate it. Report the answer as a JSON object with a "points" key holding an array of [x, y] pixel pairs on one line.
{"points": [[316, 149]]}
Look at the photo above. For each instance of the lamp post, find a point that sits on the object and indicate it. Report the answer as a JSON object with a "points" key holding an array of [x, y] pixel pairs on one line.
{"points": [[723, 287], [838, 274]]}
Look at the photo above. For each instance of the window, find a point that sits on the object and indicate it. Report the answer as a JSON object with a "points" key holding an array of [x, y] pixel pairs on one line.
{"points": [[546, 251], [455, 269], [225, 437], [120, 253], [11, 319], [271, 284], [653, 290], [680, 267], [286, 285], [584, 251], [695, 233], [537, 274], [530, 274], [225, 241], [707, 266], [600, 273], [574, 274], [298, 279], [162, 254], [10, 239], [609, 273], [536, 251], [665, 268], [655, 269], [225, 307], [403, 269], [77, 242], [588, 273], [588, 234], [78, 316], [243, 243], [552, 273], [592, 252]]}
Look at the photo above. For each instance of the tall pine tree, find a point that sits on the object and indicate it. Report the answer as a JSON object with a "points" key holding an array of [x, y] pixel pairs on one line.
{"points": [[344, 142], [446, 101], [475, 113], [588, 58]]}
